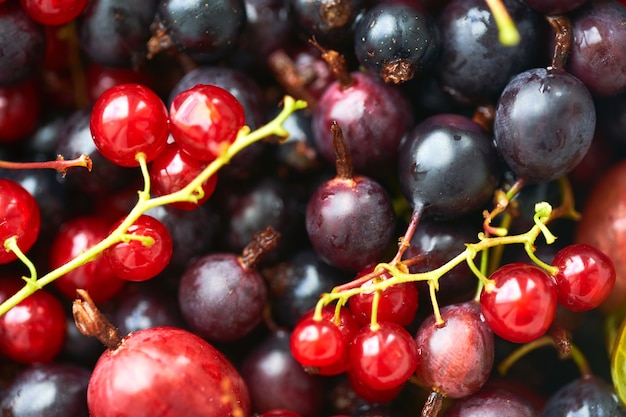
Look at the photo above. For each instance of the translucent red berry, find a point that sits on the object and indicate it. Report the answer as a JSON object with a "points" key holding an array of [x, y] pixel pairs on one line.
{"points": [[317, 343], [383, 357], [586, 277], [133, 260], [173, 170], [522, 305], [53, 12], [35, 329], [205, 119], [20, 217], [128, 119]]}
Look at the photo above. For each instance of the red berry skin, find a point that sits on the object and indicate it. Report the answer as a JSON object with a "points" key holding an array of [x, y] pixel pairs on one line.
{"points": [[20, 217], [128, 119], [522, 305], [205, 119], [53, 12], [384, 358], [173, 170], [19, 110], [35, 329], [166, 372], [586, 277], [455, 359], [96, 277], [317, 343], [132, 260]]}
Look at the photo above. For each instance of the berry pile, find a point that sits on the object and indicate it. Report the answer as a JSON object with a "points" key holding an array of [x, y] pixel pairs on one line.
{"points": [[312, 208]]}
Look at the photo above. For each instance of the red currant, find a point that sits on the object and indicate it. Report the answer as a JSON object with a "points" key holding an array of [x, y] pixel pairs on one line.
{"points": [[19, 110], [206, 119], [173, 170], [317, 343], [53, 12], [20, 217], [383, 357], [132, 260], [522, 305], [35, 329], [128, 119], [96, 276], [586, 277], [397, 303]]}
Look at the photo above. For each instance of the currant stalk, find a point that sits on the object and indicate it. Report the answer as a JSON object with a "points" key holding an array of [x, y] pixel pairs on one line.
{"points": [[190, 193]]}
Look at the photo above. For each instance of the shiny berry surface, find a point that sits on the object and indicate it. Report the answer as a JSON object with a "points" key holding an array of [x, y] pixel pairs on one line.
{"points": [[20, 217], [128, 119], [522, 305], [174, 169], [317, 343], [34, 330], [166, 371], [53, 12], [133, 260], [96, 277], [586, 277], [205, 119]]}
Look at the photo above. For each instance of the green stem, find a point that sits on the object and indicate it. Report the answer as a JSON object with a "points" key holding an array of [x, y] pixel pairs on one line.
{"points": [[244, 139]]}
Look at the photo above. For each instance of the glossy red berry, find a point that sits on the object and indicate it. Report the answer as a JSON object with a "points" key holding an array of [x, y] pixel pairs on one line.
{"points": [[397, 304], [522, 305], [205, 119], [383, 357], [317, 343], [167, 372], [96, 277], [53, 12], [20, 217], [173, 170], [348, 326], [35, 329], [19, 110], [370, 394], [132, 260], [455, 359], [586, 277], [128, 119]]}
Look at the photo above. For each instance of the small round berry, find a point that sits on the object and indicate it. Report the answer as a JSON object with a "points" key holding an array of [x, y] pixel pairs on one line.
{"points": [[128, 119], [205, 120]]}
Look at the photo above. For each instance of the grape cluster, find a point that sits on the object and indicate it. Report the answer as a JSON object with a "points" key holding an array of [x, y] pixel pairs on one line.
{"points": [[312, 208]]}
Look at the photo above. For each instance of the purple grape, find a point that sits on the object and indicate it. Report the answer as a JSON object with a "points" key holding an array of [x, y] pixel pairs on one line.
{"points": [[491, 402], [220, 298], [597, 55], [585, 396], [544, 124], [447, 166], [471, 51], [396, 42]]}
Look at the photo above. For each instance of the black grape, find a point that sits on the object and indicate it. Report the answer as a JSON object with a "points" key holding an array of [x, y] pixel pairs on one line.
{"points": [[396, 42], [205, 30], [544, 124], [448, 166]]}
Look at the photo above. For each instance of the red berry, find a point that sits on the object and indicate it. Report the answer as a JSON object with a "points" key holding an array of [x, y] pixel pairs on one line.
{"points": [[19, 110], [128, 119], [168, 372], [20, 217], [348, 326], [398, 303], [317, 343], [35, 329], [586, 277], [173, 170], [455, 359], [370, 394], [96, 277], [205, 119], [132, 260], [522, 305], [383, 358], [53, 12]]}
